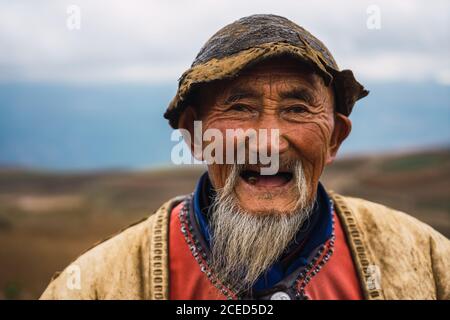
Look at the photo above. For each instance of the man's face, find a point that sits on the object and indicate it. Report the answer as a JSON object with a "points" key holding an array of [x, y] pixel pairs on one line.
{"points": [[281, 94], [254, 217]]}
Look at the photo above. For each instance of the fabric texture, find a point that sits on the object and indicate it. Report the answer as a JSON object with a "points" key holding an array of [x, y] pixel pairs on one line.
{"points": [[395, 255]]}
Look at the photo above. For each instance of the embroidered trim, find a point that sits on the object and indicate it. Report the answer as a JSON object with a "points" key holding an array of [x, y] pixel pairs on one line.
{"points": [[361, 255], [322, 256], [198, 252], [158, 252]]}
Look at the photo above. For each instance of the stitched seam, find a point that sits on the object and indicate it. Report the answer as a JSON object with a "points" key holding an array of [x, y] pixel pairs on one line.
{"points": [[360, 253], [159, 271]]}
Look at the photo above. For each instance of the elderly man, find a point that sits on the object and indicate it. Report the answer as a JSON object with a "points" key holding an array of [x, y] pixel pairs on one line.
{"points": [[246, 235]]}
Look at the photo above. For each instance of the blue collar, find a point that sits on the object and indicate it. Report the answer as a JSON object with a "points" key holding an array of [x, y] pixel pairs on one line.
{"points": [[314, 233]]}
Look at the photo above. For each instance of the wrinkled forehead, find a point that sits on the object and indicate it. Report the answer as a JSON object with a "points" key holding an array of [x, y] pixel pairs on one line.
{"points": [[275, 73]]}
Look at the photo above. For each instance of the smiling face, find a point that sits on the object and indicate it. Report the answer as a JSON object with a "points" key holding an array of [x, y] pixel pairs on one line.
{"points": [[279, 93]]}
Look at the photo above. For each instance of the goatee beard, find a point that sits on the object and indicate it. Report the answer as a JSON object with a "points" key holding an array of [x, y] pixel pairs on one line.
{"points": [[244, 245]]}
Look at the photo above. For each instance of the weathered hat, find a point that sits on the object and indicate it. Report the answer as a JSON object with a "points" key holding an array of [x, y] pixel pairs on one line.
{"points": [[253, 39]]}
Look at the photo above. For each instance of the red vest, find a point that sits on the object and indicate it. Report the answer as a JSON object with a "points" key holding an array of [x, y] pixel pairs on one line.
{"points": [[337, 280]]}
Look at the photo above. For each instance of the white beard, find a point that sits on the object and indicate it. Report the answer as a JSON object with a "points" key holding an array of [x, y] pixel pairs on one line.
{"points": [[244, 245]]}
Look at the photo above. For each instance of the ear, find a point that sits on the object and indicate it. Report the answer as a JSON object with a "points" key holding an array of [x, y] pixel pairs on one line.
{"points": [[342, 128], [186, 122]]}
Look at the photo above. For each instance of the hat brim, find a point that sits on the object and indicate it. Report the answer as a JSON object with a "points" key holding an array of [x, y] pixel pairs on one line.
{"points": [[347, 89]]}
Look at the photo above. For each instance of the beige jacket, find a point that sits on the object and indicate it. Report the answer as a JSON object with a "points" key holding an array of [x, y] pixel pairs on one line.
{"points": [[396, 256]]}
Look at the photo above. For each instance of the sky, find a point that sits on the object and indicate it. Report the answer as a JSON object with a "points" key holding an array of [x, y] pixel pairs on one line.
{"points": [[151, 41]]}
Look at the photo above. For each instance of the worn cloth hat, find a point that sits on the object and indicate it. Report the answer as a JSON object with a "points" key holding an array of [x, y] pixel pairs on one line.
{"points": [[255, 38]]}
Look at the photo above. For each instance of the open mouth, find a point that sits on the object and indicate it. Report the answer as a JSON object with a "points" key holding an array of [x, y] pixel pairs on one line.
{"points": [[254, 178]]}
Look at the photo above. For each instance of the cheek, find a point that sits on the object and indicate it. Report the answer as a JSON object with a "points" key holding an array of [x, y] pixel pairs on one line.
{"points": [[218, 173], [310, 138], [311, 142], [223, 122], [215, 175]]}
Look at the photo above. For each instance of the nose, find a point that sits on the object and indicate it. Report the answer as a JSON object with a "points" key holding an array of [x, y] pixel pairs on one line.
{"points": [[270, 135]]}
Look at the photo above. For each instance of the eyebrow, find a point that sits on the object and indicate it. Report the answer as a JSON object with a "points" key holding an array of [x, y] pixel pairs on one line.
{"points": [[241, 93], [298, 94], [237, 94]]}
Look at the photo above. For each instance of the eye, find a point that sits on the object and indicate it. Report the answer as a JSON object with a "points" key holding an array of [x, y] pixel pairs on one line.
{"points": [[296, 109], [240, 108]]}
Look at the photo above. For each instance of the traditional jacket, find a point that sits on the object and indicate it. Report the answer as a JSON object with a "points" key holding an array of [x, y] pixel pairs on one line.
{"points": [[393, 255], [316, 264]]}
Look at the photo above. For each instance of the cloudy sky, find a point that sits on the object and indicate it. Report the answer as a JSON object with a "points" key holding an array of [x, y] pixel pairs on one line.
{"points": [[154, 41]]}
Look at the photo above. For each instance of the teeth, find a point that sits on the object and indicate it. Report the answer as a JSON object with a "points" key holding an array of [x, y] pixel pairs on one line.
{"points": [[252, 180]]}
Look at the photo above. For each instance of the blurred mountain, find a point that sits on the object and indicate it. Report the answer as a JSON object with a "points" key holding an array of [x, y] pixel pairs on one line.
{"points": [[121, 126]]}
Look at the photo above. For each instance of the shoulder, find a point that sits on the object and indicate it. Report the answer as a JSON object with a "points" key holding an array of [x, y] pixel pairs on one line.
{"points": [[379, 219], [413, 257], [118, 267]]}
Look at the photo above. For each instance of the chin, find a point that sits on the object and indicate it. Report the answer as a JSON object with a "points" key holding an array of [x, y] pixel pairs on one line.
{"points": [[266, 201]]}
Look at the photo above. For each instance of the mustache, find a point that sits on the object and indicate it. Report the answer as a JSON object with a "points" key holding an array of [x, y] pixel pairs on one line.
{"points": [[286, 165]]}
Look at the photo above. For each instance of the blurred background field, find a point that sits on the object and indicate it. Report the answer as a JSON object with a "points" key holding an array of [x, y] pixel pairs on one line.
{"points": [[47, 219]]}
